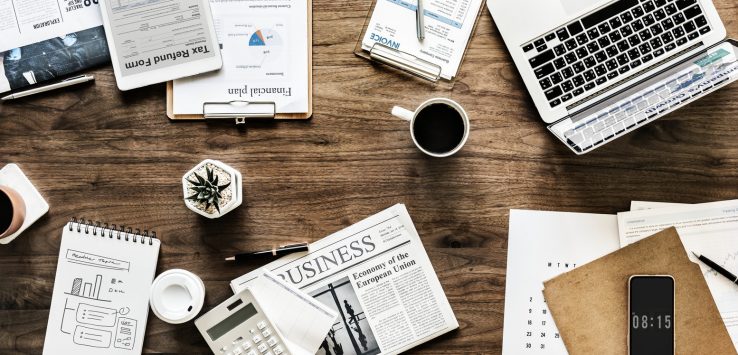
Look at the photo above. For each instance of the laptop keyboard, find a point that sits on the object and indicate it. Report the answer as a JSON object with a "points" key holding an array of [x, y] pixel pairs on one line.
{"points": [[648, 104], [604, 45]]}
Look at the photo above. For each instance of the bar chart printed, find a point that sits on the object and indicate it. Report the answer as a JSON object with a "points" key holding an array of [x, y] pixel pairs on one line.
{"points": [[89, 290]]}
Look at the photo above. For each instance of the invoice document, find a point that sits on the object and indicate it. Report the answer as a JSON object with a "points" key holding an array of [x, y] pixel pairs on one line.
{"points": [[265, 50], [710, 229], [541, 246], [448, 26]]}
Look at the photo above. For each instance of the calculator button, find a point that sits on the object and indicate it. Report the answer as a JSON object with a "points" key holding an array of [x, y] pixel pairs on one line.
{"points": [[261, 325], [278, 350], [237, 351], [224, 349], [246, 345], [272, 341], [266, 332], [252, 352], [256, 339], [268, 353], [263, 348]]}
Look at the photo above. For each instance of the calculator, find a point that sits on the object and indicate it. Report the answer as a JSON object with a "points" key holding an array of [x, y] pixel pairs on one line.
{"points": [[239, 326]]}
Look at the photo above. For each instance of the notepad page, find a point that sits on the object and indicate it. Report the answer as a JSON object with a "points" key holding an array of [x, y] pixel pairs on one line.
{"points": [[543, 245], [100, 302]]}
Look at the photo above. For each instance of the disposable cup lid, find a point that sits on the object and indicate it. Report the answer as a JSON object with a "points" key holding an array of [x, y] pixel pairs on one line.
{"points": [[177, 296]]}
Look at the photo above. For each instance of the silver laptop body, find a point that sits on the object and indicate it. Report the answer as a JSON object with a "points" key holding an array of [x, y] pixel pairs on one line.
{"points": [[598, 69]]}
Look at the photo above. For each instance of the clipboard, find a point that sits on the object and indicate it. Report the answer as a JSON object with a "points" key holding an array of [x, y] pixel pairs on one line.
{"points": [[240, 111], [590, 303], [406, 63]]}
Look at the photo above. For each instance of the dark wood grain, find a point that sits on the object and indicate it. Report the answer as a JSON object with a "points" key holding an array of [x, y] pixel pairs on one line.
{"points": [[99, 153]]}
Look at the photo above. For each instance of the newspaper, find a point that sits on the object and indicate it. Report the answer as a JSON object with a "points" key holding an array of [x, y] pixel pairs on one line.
{"points": [[41, 40], [377, 276]]}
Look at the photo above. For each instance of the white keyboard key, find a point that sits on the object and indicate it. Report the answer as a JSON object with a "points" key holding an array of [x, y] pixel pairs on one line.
{"points": [[272, 341], [267, 332], [256, 339], [261, 325], [278, 350], [246, 345], [262, 347]]}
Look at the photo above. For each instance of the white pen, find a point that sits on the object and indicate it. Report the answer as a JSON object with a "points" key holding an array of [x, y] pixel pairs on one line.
{"points": [[419, 20], [64, 83]]}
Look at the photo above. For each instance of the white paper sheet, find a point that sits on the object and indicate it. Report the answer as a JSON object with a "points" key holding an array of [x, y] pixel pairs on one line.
{"points": [[542, 245], [302, 320], [265, 57], [448, 26], [710, 229], [648, 205]]}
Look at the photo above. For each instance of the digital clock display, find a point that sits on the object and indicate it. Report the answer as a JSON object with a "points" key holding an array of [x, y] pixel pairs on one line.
{"points": [[651, 315]]}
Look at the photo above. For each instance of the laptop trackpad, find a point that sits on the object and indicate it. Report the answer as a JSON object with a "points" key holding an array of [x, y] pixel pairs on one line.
{"points": [[575, 7]]}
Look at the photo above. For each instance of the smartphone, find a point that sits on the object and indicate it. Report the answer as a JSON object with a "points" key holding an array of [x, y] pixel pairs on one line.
{"points": [[651, 315]]}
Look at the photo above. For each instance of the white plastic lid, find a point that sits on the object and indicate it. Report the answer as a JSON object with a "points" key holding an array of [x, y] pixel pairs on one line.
{"points": [[177, 296]]}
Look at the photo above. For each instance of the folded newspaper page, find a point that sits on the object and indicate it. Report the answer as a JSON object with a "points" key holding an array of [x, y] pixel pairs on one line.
{"points": [[377, 276]]}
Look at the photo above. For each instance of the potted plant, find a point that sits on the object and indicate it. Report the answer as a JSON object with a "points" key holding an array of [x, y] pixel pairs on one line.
{"points": [[212, 188]]}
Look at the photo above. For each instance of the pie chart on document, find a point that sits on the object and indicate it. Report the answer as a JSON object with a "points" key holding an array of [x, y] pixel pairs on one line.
{"points": [[264, 44]]}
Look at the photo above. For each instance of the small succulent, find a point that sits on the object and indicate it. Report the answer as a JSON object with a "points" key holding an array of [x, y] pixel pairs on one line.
{"points": [[207, 190]]}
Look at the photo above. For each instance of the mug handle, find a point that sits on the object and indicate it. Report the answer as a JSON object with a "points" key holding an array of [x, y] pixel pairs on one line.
{"points": [[402, 113]]}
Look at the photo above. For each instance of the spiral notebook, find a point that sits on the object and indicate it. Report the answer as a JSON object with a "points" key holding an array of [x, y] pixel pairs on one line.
{"points": [[100, 302]]}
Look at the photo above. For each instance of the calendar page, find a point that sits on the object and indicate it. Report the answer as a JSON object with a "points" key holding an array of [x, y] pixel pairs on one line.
{"points": [[543, 245]]}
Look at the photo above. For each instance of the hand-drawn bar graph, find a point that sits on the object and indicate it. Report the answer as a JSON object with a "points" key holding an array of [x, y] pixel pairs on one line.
{"points": [[80, 288]]}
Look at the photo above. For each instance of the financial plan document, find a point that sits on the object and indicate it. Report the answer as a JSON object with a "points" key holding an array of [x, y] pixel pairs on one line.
{"points": [[264, 45], [710, 229], [448, 26]]}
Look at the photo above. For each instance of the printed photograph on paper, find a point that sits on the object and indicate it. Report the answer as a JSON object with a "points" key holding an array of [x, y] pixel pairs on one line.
{"points": [[53, 58], [351, 334]]}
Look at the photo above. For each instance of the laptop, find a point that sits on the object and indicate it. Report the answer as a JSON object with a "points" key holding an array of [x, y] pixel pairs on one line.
{"points": [[599, 69]]}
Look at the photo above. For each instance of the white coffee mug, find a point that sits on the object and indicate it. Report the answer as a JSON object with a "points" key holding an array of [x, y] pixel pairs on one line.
{"points": [[461, 136]]}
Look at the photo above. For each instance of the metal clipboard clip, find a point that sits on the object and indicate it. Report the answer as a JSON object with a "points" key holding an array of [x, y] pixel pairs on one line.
{"points": [[239, 110], [406, 62]]}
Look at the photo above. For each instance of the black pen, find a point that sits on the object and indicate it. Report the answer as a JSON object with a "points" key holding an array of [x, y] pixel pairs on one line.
{"points": [[719, 269], [274, 252]]}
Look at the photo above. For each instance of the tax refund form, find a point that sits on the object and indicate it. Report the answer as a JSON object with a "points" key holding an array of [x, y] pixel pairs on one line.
{"points": [[448, 26]]}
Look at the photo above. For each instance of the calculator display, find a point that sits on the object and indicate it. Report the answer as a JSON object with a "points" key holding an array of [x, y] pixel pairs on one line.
{"points": [[234, 320]]}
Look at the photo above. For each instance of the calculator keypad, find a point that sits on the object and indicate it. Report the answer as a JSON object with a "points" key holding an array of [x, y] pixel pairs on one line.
{"points": [[269, 346]]}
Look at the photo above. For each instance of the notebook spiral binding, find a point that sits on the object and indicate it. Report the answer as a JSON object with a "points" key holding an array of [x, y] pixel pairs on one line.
{"points": [[111, 231]]}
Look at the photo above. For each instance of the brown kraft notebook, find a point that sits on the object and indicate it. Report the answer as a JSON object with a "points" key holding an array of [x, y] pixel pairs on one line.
{"points": [[590, 304]]}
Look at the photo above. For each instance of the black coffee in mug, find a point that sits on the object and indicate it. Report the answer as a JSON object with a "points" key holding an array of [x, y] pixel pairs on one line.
{"points": [[439, 128], [6, 212]]}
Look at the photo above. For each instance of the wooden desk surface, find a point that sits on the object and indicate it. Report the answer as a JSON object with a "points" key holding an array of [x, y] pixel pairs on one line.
{"points": [[102, 154]]}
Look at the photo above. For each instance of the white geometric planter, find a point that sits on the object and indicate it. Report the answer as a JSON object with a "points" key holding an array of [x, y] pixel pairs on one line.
{"points": [[232, 196]]}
